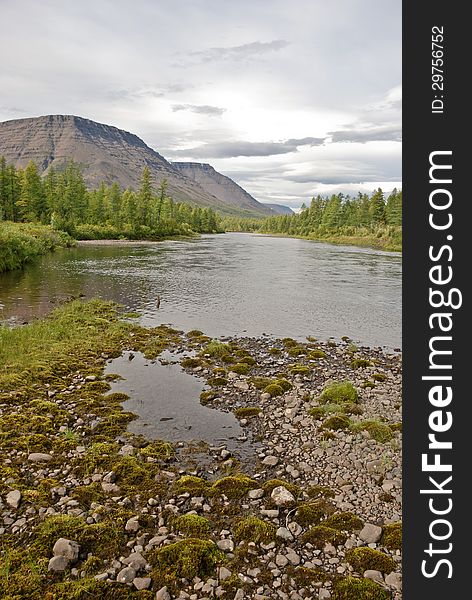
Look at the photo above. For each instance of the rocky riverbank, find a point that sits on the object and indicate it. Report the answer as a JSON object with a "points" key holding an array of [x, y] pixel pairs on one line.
{"points": [[88, 508]]}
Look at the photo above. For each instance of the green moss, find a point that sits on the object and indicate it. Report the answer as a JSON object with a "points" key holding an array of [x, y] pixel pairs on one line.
{"points": [[392, 536], [275, 351], [361, 363], [274, 390], [352, 409], [194, 333], [377, 430], [240, 368], [206, 396], [98, 386], [289, 342], [396, 426], [188, 558], [284, 384], [191, 525], [379, 376], [317, 412], [344, 521], [228, 359], [86, 494], [313, 513], [247, 411], [270, 484], [367, 384], [158, 449], [319, 535], [234, 486], [300, 370], [316, 353], [247, 359], [296, 351], [339, 392], [99, 456], [189, 484], [190, 362], [252, 529], [217, 381], [219, 371], [358, 589], [217, 349], [260, 382], [319, 491], [364, 558], [336, 422], [116, 397]]}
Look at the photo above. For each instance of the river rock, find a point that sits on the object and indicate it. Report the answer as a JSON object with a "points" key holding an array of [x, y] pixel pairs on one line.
{"points": [[374, 575], [394, 580], [370, 533], [126, 575], [132, 525], [225, 545], [58, 564], [13, 498], [135, 560], [66, 548], [281, 496], [142, 583], [39, 457], [163, 594], [224, 573]]}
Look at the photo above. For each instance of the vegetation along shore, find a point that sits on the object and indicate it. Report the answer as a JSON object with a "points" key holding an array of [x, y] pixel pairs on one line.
{"points": [[312, 509]]}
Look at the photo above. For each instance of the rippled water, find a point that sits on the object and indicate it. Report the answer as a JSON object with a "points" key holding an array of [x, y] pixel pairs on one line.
{"points": [[232, 284]]}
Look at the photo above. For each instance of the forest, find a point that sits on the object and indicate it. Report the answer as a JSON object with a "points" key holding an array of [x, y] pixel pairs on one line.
{"points": [[364, 220], [61, 199]]}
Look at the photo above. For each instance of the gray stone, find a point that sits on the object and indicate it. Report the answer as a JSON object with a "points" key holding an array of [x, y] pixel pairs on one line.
{"points": [[67, 548], [127, 450], [284, 534], [142, 583], [270, 461], [394, 580], [58, 564], [224, 573], [132, 525], [135, 560], [239, 595], [126, 575], [281, 560], [225, 545], [163, 594], [256, 494], [324, 594], [374, 575], [281, 496], [39, 457], [110, 488], [370, 534], [13, 498]]}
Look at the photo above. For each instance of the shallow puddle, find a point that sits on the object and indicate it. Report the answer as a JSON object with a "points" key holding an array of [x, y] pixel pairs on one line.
{"points": [[167, 402]]}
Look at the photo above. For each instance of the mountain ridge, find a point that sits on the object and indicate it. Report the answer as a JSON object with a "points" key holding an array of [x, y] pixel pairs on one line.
{"points": [[106, 153]]}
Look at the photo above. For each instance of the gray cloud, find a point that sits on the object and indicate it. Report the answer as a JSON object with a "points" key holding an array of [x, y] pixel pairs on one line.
{"points": [[242, 148], [200, 109], [242, 52], [148, 92], [368, 134]]}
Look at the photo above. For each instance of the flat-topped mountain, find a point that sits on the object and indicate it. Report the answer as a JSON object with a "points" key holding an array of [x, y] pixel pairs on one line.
{"points": [[108, 154], [221, 186]]}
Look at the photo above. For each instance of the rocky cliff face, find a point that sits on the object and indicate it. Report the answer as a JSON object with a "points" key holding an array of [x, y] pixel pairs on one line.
{"points": [[105, 153], [222, 187]]}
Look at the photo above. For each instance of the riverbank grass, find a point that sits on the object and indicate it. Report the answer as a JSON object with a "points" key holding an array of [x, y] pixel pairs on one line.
{"points": [[21, 243]]}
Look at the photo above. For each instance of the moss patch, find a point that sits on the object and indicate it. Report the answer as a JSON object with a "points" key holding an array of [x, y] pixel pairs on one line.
{"points": [[319, 535], [336, 422], [359, 589], [344, 521], [188, 558], [247, 411], [377, 430], [365, 558], [252, 529], [339, 392], [313, 513], [191, 525], [234, 486], [392, 536], [189, 484]]}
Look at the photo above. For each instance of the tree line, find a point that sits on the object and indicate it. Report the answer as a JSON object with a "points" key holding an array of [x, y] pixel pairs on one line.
{"points": [[61, 198]]}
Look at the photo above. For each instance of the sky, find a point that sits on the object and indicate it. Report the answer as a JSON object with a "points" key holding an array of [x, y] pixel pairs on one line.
{"points": [[290, 99]]}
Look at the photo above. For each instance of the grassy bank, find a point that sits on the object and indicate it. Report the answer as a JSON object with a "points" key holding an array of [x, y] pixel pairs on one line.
{"points": [[22, 242]]}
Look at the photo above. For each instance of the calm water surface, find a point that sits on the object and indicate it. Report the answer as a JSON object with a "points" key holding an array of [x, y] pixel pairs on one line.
{"points": [[232, 284]]}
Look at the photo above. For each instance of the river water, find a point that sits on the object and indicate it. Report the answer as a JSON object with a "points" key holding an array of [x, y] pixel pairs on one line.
{"points": [[231, 284]]}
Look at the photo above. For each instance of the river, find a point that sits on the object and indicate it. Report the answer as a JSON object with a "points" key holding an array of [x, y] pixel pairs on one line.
{"points": [[231, 284]]}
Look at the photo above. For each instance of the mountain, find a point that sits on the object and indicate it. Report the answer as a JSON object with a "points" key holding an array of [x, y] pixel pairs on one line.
{"points": [[106, 154], [280, 209], [222, 187]]}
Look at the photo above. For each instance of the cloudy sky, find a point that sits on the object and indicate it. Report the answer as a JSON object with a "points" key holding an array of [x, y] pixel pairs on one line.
{"points": [[290, 99]]}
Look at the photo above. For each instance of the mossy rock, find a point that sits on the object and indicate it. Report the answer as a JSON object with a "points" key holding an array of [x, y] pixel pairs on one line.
{"points": [[252, 529], [289, 342], [316, 354], [187, 558], [234, 486], [194, 333], [190, 362], [352, 409], [247, 411], [379, 376], [228, 359], [319, 535], [116, 397], [191, 525], [336, 422], [364, 558], [344, 521], [217, 381], [284, 384], [206, 396], [219, 371], [260, 382], [240, 368], [305, 577], [339, 392], [158, 449], [312, 513], [361, 363], [392, 537], [300, 370], [271, 484], [359, 589], [378, 431], [189, 484], [274, 390]]}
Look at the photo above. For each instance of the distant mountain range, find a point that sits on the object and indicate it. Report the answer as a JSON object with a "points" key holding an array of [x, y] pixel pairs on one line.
{"points": [[280, 209], [109, 154]]}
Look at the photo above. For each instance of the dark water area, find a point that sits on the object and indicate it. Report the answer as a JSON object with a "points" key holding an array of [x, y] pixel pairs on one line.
{"points": [[231, 284], [167, 402]]}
